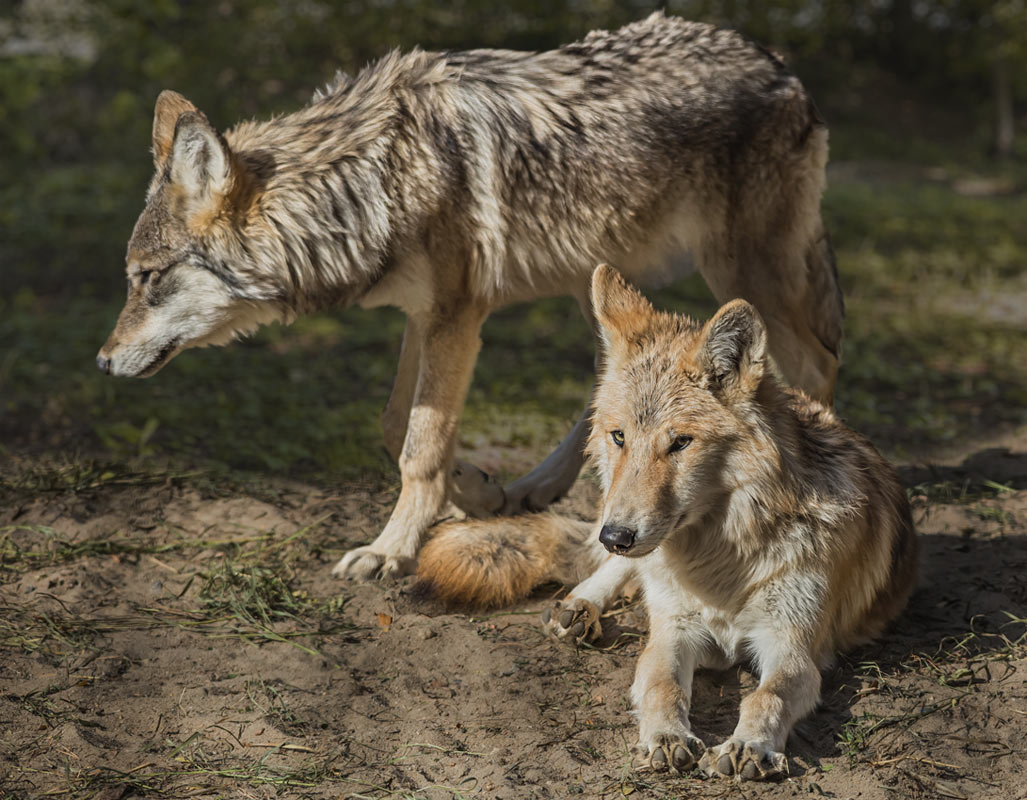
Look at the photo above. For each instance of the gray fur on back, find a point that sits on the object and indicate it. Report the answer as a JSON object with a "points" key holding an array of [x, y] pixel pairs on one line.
{"points": [[517, 168]]}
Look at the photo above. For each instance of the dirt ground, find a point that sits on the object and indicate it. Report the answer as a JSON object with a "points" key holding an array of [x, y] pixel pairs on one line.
{"points": [[162, 637]]}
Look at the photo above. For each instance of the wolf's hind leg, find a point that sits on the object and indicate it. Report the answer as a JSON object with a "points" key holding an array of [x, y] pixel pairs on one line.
{"points": [[804, 313], [474, 491], [551, 479], [396, 415], [793, 282], [447, 352]]}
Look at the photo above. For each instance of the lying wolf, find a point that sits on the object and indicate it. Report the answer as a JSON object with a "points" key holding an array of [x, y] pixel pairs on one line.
{"points": [[759, 526], [449, 184]]}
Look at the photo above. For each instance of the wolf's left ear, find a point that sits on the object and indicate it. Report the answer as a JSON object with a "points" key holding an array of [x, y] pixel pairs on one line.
{"points": [[620, 309], [734, 348], [201, 163]]}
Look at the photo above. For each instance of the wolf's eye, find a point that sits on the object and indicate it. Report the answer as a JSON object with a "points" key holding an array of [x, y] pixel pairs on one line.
{"points": [[680, 443], [144, 276], [618, 438]]}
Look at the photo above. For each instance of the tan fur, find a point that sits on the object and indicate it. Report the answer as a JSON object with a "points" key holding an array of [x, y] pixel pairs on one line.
{"points": [[761, 528], [519, 554], [451, 184]]}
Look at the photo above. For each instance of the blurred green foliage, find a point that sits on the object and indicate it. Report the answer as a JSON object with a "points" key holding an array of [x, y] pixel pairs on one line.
{"points": [[78, 79], [931, 360], [905, 84]]}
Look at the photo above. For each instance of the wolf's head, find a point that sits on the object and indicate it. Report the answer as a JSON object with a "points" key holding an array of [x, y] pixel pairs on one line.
{"points": [[181, 291], [675, 409]]}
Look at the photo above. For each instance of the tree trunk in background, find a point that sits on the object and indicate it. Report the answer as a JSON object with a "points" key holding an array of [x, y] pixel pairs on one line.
{"points": [[1005, 129]]}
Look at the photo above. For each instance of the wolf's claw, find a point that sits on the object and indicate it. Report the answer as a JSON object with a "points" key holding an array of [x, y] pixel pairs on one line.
{"points": [[746, 761], [364, 564], [675, 751], [574, 620]]}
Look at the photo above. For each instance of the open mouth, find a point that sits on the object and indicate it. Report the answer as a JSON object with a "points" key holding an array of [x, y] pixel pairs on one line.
{"points": [[159, 360]]}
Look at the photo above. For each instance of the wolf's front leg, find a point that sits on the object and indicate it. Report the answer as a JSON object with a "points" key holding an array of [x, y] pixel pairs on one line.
{"points": [[473, 490], [448, 347], [662, 692], [789, 689]]}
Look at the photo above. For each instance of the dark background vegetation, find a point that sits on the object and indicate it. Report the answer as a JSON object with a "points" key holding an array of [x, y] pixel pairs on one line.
{"points": [[925, 206]]}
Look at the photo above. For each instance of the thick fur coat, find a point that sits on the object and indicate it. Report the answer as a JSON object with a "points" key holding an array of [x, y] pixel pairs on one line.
{"points": [[449, 184], [760, 528]]}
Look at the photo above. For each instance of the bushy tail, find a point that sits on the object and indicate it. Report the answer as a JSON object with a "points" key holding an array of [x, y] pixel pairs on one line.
{"points": [[495, 562]]}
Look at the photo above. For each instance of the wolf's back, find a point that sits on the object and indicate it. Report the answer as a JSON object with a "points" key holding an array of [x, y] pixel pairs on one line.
{"points": [[495, 562]]}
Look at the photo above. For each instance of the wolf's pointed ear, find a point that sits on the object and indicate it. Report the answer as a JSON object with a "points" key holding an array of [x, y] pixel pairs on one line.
{"points": [[201, 163], [170, 106], [620, 309], [734, 347]]}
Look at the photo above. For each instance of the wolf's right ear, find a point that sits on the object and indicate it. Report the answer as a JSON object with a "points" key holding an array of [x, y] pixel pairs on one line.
{"points": [[621, 310], [170, 106]]}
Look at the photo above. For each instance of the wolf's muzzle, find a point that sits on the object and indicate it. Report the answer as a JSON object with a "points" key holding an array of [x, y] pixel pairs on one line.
{"points": [[617, 539], [104, 364]]}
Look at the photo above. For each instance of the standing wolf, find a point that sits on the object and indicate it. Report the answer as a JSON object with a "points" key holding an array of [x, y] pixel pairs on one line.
{"points": [[761, 529], [449, 184]]}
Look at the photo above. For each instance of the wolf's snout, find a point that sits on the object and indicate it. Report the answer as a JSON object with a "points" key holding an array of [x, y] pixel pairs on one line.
{"points": [[617, 539], [104, 364]]}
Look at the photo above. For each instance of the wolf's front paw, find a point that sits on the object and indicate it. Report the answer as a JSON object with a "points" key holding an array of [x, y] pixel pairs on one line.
{"points": [[674, 751], [364, 564], [747, 761], [573, 620]]}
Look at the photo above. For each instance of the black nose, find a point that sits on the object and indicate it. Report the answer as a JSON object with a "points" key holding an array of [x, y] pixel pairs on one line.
{"points": [[616, 539], [104, 364]]}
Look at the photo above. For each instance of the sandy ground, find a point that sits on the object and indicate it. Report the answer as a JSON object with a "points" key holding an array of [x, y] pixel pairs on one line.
{"points": [[163, 639]]}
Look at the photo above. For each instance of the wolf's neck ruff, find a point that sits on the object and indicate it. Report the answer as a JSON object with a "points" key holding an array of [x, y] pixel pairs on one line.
{"points": [[310, 235], [323, 200]]}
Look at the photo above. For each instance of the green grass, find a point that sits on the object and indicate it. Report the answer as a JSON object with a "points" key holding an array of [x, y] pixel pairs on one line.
{"points": [[929, 360], [299, 400], [930, 357], [956, 670], [247, 592], [303, 398]]}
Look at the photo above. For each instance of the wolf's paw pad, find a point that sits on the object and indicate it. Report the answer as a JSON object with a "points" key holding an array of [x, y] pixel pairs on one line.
{"points": [[474, 491], [364, 564], [673, 751], [746, 761], [575, 620]]}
